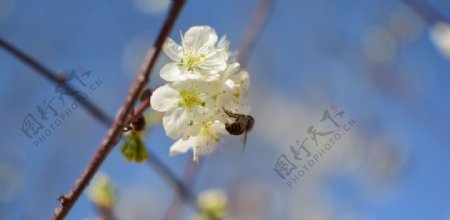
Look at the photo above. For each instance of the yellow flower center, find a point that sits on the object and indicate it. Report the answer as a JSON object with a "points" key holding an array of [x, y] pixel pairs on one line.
{"points": [[190, 98], [191, 61]]}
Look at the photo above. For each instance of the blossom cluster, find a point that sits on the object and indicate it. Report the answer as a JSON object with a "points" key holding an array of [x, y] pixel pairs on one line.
{"points": [[202, 81]]}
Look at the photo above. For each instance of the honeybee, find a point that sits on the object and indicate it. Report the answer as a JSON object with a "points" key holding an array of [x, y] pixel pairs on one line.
{"points": [[241, 125]]}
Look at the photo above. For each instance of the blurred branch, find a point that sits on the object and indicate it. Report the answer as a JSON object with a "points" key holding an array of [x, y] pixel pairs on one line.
{"points": [[254, 29], [251, 35], [57, 79], [115, 132], [158, 164], [426, 11], [189, 176], [182, 190]]}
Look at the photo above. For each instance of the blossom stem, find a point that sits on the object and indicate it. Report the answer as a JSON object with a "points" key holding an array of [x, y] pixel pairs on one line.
{"points": [[113, 135]]}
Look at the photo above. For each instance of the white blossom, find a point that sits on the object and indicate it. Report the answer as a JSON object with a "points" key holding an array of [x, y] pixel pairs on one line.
{"points": [[198, 57], [234, 82], [187, 105], [202, 83]]}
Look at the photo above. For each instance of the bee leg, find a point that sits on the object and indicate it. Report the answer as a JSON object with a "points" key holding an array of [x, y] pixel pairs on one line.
{"points": [[230, 114]]}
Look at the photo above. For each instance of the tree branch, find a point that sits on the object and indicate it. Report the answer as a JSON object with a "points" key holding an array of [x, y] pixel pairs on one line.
{"points": [[115, 132], [154, 161], [57, 79]]}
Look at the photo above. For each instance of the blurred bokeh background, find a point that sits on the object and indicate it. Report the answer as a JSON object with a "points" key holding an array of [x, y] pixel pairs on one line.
{"points": [[386, 64]]}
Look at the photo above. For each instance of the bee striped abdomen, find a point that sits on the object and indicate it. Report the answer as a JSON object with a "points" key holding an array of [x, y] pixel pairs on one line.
{"points": [[250, 122], [234, 128], [242, 124]]}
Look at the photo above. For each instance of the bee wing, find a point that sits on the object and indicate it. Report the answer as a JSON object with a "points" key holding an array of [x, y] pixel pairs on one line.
{"points": [[244, 141]]}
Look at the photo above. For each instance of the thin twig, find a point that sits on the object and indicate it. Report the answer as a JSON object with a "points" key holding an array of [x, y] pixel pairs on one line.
{"points": [[250, 37], [145, 104], [115, 132], [182, 188], [426, 11], [254, 29], [57, 79]]}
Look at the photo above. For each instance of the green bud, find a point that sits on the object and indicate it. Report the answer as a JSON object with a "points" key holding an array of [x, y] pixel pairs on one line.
{"points": [[133, 148], [102, 192], [213, 204]]}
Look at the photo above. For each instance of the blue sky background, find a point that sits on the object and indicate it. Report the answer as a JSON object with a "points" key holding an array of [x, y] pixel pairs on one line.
{"points": [[373, 59]]}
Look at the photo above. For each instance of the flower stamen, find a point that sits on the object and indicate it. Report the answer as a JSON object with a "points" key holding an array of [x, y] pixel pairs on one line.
{"points": [[190, 98]]}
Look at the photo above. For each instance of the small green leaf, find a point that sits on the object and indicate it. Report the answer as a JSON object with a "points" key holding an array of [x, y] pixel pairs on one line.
{"points": [[133, 148]]}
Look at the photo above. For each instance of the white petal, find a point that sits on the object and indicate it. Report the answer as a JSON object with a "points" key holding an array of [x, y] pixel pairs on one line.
{"points": [[187, 84], [234, 91], [207, 74], [192, 130], [223, 43], [173, 50], [243, 79], [219, 127], [236, 78], [164, 98], [215, 62], [199, 38], [231, 70], [226, 95], [180, 146], [205, 145], [175, 122], [211, 68], [216, 57], [191, 76], [172, 72]]}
